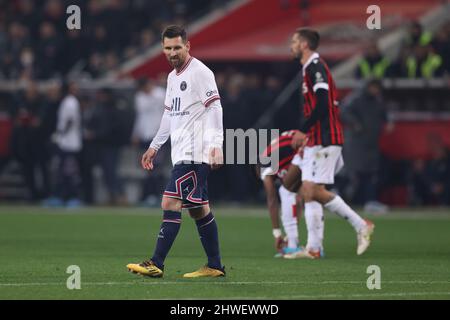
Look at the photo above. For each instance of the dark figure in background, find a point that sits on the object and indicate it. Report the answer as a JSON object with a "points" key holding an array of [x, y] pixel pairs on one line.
{"points": [[109, 137], [417, 36], [69, 144], [373, 64], [364, 117], [48, 51], [441, 44], [234, 101], [25, 139], [423, 62], [46, 148], [429, 181], [91, 146]]}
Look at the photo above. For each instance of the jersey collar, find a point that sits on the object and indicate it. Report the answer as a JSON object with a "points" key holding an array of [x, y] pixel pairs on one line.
{"points": [[184, 67], [315, 55]]}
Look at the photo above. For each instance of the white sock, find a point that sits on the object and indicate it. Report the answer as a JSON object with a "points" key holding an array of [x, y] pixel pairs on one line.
{"points": [[314, 225], [338, 206], [288, 216]]}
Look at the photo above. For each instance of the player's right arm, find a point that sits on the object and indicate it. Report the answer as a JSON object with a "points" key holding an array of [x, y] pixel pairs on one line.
{"points": [[273, 205], [319, 78], [161, 137]]}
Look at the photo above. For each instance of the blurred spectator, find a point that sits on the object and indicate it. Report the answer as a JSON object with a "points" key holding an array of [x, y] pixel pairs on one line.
{"points": [[27, 65], [54, 12], [27, 16], [69, 143], [75, 49], [99, 41], [399, 67], [373, 64], [91, 145], [109, 137], [364, 117], [48, 121], [429, 181], [233, 102], [441, 44], [254, 99], [423, 63], [417, 36], [147, 39], [149, 108], [48, 51], [25, 138], [112, 30], [15, 43]]}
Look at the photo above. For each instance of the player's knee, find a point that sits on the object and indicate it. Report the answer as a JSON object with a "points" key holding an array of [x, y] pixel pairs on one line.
{"points": [[198, 213], [171, 204]]}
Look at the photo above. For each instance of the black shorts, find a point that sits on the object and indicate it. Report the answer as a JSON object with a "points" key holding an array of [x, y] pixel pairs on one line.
{"points": [[188, 182]]}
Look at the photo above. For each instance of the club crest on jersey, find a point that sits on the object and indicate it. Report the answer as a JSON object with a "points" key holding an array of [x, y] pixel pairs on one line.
{"points": [[183, 85], [319, 77]]}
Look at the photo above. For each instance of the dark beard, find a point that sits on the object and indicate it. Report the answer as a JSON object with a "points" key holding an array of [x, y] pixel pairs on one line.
{"points": [[176, 63], [297, 57]]}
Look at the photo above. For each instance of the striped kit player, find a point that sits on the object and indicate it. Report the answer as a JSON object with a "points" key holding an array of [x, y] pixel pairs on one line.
{"points": [[321, 137]]}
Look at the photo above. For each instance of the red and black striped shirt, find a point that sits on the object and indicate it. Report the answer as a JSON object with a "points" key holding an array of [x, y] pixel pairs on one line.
{"points": [[282, 145], [320, 106]]}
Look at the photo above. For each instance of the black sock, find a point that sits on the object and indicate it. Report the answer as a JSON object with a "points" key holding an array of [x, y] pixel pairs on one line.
{"points": [[167, 234], [207, 229]]}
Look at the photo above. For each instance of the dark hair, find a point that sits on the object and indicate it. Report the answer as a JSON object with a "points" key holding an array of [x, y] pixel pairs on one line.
{"points": [[311, 36], [174, 31]]}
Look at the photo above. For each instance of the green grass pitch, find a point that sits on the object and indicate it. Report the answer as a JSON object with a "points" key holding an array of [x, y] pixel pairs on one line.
{"points": [[37, 245]]}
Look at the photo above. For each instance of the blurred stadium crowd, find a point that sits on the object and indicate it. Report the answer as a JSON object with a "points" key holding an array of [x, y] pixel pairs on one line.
{"points": [[422, 55], [33, 48], [34, 45]]}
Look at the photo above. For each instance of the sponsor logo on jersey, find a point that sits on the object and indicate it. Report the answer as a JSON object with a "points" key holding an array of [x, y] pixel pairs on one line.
{"points": [[305, 88], [211, 93]]}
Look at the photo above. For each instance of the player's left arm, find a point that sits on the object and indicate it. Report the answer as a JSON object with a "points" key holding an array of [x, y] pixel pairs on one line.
{"points": [[319, 79], [209, 96], [273, 205], [214, 133]]}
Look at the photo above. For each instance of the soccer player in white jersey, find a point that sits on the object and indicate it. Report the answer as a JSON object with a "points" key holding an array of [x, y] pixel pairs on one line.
{"points": [[193, 121]]}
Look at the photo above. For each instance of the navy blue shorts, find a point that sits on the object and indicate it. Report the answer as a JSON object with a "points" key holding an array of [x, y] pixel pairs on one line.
{"points": [[188, 183]]}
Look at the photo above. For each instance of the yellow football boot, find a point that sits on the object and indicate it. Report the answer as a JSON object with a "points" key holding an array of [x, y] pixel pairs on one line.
{"points": [[205, 271], [146, 268]]}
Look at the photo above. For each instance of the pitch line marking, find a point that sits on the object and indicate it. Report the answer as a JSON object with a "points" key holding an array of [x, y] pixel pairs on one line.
{"points": [[159, 282], [356, 295]]}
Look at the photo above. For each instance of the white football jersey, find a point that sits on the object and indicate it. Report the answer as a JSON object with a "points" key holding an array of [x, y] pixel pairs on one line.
{"points": [[69, 110], [189, 92]]}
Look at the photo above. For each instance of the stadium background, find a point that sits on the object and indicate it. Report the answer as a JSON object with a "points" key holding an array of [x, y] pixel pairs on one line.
{"points": [[246, 45]]}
